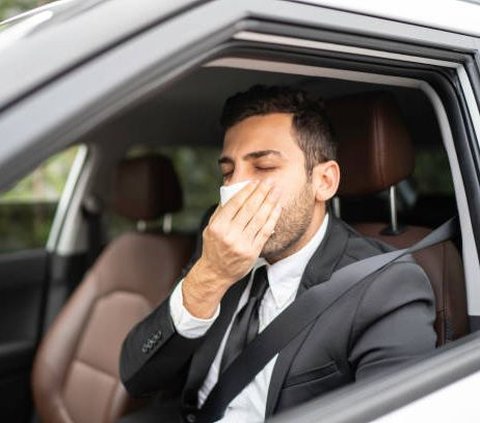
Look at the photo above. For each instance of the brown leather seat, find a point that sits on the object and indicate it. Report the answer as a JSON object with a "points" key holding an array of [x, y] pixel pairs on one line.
{"points": [[75, 375], [375, 152]]}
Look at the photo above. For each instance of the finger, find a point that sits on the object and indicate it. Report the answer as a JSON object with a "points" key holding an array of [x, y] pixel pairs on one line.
{"points": [[266, 230], [260, 218], [253, 204], [215, 213], [231, 207]]}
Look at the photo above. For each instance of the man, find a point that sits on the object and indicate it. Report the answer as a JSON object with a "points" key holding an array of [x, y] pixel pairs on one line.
{"points": [[276, 234]]}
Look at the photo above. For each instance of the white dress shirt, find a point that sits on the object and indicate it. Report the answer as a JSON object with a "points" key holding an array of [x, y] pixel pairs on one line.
{"points": [[284, 278]]}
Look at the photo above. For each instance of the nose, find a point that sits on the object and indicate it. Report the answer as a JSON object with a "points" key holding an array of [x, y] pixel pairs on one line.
{"points": [[240, 174]]}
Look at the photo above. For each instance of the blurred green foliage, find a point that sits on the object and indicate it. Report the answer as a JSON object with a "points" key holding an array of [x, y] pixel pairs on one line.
{"points": [[25, 226], [27, 210], [200, 179], [45, 184], [432, 173], [9, 8]]}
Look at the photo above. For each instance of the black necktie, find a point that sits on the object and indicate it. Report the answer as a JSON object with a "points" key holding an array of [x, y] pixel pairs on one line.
{"points": [[246, 322]]}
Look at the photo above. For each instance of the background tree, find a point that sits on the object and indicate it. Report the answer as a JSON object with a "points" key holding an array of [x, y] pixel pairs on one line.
{"points": [[9, 8]]}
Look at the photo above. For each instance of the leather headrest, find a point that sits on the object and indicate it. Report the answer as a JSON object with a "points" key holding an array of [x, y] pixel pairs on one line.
{"points": [[145, 188], [374, 147]]}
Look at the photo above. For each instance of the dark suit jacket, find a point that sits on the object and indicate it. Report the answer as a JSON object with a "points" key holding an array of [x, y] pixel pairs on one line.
{"points": [[380, 324]]}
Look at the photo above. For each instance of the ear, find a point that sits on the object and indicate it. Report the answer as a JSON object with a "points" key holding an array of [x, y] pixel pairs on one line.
{"points": [[325, 180]]}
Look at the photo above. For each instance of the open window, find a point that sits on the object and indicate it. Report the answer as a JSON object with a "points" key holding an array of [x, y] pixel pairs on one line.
{"points": [[182, 120], [184, 117]]}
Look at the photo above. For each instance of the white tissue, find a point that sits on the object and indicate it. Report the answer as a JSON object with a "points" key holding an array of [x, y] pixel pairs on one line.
{"points": [[228, 191]]}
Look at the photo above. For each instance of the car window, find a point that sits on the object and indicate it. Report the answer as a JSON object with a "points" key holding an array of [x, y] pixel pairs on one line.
{"points": [[200, 180], [28, 208], [432, 174]]}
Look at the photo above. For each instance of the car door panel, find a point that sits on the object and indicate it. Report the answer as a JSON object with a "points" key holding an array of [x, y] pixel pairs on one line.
{"points": [[22, 278]]}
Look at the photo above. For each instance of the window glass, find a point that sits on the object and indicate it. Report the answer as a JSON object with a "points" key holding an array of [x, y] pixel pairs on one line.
{"points": [[27, 210], [432, 174], [434, 200], [200, 180]]}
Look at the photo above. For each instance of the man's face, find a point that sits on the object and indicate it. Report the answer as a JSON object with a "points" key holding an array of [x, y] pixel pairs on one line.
{"points": [[262, 147]]}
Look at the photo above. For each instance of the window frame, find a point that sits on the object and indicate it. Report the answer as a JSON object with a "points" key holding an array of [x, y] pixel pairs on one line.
{"points": [[65, 221]]}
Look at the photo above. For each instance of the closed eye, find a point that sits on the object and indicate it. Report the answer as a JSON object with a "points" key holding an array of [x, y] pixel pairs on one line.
{"points": [[265, 169]]}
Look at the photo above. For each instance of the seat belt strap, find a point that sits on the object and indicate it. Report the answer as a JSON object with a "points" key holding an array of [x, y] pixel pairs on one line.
{"points": [[297, 316]]}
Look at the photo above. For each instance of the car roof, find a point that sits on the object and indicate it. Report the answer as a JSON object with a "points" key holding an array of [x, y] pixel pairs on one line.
{"points": [[73, 31], [58, 9], [49, 40], [461, 16]]}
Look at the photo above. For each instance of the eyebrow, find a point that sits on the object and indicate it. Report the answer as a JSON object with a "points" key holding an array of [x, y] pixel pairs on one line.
{"points": [[251, 156]]}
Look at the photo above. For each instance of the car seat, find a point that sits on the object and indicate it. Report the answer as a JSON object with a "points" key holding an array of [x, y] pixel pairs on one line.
{"points": [[375, 153], [75, 375]]}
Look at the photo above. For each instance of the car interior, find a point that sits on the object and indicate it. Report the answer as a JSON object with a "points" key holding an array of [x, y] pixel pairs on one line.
{"points": [[151, 177]]}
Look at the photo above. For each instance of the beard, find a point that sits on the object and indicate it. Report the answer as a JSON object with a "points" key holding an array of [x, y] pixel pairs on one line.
{"points": [[291, 225]]}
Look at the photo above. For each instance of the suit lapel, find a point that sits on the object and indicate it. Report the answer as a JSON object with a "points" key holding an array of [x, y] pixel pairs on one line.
{"points": [[205, 354], [319, 269], [327, 256]]}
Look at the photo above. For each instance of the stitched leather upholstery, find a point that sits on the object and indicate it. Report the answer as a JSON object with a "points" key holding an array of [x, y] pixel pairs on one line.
{"points": [[374, 148]]}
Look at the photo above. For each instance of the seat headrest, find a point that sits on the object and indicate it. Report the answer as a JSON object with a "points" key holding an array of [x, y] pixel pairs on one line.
{"points": [[374, 147], [145, 188]]}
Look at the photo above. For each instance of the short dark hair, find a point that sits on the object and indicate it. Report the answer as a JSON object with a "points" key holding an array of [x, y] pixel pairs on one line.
{"points": [[313, 131]]}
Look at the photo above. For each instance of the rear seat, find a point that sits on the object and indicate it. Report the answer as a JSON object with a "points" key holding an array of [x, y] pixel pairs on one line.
{"points": [[75, 375]]}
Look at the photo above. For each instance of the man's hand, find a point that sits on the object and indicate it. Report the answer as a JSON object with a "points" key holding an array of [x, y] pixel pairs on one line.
{"points": [[232, 241]]}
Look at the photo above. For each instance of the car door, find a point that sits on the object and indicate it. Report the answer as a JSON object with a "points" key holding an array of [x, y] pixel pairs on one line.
{"points": [[81, 96]]}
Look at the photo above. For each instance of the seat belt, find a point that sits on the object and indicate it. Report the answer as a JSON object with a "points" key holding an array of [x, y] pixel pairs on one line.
{"points": [[297, 316]]}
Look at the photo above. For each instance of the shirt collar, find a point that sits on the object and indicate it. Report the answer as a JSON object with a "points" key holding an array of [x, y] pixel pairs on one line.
{"points": [[284, 275]]}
